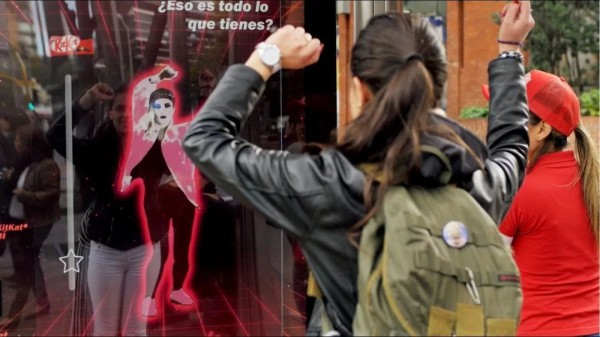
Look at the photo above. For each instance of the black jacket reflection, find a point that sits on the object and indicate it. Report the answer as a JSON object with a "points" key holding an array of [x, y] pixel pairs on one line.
{"points": [[317, 198], [109, 219]]}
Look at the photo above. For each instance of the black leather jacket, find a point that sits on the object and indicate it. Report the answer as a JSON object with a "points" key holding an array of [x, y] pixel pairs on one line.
{"points": [[109, 219], [316, 199]]}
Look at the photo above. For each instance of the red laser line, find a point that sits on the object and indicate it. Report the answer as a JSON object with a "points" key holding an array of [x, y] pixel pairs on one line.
{"points": [[56, 320], [289, 11], [112, 45], [237, 318], [200, 319], [262, 304], [218, 326], [64, 13], [262, 37], [21, 12], [5, 37], [297, 293], [85, 331], [123, 332], [16, 316], [294, 311]]}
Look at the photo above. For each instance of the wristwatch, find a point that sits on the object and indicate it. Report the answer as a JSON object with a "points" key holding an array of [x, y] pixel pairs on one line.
{"points": [[511, 54], [270, 55]]}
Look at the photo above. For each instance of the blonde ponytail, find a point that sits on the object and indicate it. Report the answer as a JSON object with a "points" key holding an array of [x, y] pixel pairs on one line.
{"points": [[589, 173]]}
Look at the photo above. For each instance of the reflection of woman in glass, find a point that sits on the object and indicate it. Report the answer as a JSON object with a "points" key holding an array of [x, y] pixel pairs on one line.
{"points": [[36, 183], [112, 239], [157, 157]]}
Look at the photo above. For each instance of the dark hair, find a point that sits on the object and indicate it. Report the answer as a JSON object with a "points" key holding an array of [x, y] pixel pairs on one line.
{"points": [[161, 93], [387, 43], [35, 143], [401, 59], [15, 117], [555, 141], [121, 89]]}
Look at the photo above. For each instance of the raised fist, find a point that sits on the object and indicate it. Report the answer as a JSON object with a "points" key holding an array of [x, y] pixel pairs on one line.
{"points": [[517, 22], [298, 48], [125, 183], [168, 73], [100, 92]]}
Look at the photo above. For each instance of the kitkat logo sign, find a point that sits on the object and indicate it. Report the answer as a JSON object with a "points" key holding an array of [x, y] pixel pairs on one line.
{"points": [[70, 45]]}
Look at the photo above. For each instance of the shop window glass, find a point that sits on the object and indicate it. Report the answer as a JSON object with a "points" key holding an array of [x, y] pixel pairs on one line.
{"points": [[133, 238]]}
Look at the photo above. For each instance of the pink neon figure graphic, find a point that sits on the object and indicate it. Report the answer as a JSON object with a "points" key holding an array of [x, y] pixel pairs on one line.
{"points": [[159, 122]]}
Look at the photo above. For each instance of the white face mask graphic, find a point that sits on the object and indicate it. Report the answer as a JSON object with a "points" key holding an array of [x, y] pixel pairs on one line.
{"points": [[163, 109]]}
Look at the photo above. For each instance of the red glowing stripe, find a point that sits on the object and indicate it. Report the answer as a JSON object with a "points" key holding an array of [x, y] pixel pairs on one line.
{"points": [[5, 37], [294, 311], [64, 13], [21, 12], [112, 45], [266, 308], [262, 37], [237, 318], [89, 325], [56, 320], [294, 7], [200, 319]]}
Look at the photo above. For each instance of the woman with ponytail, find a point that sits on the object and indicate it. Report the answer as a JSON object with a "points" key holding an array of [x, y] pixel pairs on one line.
{"points": [[553, 221], [399, 69]]}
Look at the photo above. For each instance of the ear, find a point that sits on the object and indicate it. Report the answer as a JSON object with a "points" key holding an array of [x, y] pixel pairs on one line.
{"points": [[362, 90], [543, 132], [110, 114]]}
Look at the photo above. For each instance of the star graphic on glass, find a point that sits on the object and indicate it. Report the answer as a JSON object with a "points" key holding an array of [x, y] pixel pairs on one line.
{"points": [[65, 261]]}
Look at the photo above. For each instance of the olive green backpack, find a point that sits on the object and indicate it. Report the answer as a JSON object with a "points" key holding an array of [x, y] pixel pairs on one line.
{"points": [[432, 263]]}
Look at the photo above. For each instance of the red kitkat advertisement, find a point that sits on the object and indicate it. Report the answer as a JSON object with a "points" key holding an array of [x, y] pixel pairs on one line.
{"points": [[70, 45]]}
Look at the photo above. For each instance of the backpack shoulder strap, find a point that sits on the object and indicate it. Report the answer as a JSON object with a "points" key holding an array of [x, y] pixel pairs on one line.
{"points": [[375, 169], [447, 174]]}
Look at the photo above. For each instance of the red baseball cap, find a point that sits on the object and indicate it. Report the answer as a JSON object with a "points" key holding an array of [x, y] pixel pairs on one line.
{"points": [[550, 98]]}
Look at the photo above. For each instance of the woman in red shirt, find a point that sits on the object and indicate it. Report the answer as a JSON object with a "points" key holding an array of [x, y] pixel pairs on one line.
{"points": [[553, 221]]}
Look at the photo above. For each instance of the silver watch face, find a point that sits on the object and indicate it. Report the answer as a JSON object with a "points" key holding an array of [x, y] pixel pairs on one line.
{"points": [[270, 56]]}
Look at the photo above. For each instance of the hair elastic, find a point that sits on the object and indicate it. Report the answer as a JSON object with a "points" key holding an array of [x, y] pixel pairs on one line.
{"points": [[510, 42], [414, 57]]}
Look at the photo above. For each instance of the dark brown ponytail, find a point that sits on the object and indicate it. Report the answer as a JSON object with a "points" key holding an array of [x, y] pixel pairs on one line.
{"points": [[401, 59]]}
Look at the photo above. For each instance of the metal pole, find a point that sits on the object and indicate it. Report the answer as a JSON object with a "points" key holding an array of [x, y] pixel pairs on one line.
{"points": [[70, 182]]}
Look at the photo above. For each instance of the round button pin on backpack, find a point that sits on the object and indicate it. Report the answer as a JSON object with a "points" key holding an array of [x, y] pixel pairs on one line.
{"points": [[455, 234]]}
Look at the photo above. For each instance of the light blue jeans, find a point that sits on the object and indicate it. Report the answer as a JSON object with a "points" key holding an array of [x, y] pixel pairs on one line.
{"points": [[116, 285]]}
